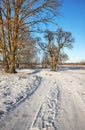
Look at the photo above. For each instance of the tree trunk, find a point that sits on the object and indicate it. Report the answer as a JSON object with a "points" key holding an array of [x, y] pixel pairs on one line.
{"points": [[53, 63], [12, 62], [5, 62]]}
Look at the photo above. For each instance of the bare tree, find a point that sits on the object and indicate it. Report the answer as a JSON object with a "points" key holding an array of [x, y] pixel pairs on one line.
{"points": [[64, 39], [26, 51], [17, 17], [56, 42]]}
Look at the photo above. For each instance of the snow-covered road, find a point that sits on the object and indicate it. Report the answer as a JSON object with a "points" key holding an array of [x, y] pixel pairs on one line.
{"points": [[70, 113]]}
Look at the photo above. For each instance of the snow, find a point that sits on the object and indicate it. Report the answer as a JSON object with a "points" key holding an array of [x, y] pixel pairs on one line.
{"points": [[14, 88], [42, 100], [47, 114]]}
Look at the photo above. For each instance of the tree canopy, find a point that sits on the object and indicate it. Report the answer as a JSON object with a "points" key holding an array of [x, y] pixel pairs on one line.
{"points": [[17, 19]]}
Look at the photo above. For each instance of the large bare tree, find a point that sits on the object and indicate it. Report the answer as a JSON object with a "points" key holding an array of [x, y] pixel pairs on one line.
{"points": [[55, 43], [18, 17]]}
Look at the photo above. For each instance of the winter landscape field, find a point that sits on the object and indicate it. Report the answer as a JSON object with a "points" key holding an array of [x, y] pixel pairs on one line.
{"points": [[42, 64], [39, 99]]}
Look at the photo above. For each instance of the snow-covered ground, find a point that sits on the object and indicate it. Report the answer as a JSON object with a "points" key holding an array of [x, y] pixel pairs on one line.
{"points": [[42, 100], [14, 88]]}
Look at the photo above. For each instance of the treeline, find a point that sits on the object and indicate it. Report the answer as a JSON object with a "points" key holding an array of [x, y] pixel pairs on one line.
{"points": [[80, 63]]}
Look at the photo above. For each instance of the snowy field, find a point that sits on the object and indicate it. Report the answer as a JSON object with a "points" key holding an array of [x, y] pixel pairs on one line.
{"points": [[42, 100]]}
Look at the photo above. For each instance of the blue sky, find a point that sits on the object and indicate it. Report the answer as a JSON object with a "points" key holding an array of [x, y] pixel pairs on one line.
{"points": [[73, 20]]}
